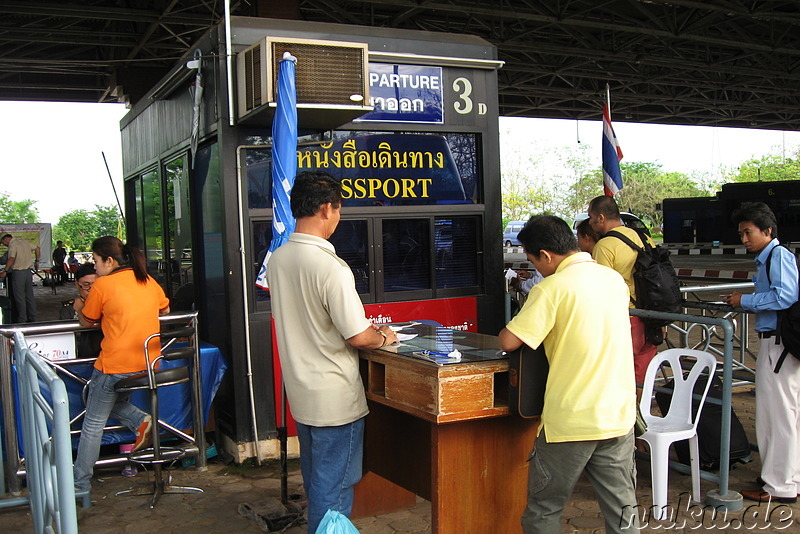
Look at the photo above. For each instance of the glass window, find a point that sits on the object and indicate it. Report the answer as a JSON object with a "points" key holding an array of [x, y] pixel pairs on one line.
{"points": [[351, 241], [456, 242], [261, 239], [179, 230], [151, 234], [209, 248], [258, 168], [406, 254]]}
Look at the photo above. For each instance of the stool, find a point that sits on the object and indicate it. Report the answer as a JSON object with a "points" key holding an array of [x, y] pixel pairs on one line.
{"points": [[151, 380]]}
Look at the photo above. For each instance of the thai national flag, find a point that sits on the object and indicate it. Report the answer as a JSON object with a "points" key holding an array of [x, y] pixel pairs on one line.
{"points": [[612, 154]]}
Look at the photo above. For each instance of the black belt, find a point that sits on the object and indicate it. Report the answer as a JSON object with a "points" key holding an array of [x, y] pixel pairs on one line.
{"points": [[768, 333]]}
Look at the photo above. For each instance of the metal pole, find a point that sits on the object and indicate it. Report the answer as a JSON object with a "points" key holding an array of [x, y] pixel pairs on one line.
{"points": [[229, 60], [246, 303], [121, 214], [10, 419], [197, 402]]}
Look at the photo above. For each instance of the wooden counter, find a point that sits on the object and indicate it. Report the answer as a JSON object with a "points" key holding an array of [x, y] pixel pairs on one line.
{"points": [[444, 432]]}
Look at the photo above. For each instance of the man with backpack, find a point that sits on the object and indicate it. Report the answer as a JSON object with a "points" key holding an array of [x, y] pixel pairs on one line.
{"points": [[777, 384], [604, 217]]}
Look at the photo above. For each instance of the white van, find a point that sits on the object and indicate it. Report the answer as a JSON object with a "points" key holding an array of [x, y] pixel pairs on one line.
{"points": [[510, 233]]}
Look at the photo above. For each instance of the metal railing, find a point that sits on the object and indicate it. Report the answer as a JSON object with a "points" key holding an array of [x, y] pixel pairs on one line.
{"points": [[51, 492], [709, 337], [723, 497], [16, 466]]}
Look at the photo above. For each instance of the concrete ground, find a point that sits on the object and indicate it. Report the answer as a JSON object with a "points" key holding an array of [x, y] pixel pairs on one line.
{"points": [[227, 488]]}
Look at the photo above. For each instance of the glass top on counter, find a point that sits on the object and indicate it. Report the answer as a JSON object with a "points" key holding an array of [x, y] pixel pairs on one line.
{"points": [[443, 346]]}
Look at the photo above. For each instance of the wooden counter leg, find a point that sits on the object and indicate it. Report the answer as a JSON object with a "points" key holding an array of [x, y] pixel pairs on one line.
{"points": [[375, 495], [480, 475], [396, 462]]}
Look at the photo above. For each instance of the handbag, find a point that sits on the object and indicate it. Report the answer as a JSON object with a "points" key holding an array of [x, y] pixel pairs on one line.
{"points": [[527, 378], [335, 523]]}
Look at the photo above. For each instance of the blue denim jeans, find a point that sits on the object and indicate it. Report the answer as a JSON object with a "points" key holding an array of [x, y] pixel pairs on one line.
{"points": [[330, 461], [102, 402]]}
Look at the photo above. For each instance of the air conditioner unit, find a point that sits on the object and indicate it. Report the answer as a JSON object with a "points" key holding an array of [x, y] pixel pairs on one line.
{"points": [[331, 77]]}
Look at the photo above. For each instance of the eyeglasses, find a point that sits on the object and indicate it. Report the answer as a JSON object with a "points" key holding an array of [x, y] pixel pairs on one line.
{"points": [[85, 285]]}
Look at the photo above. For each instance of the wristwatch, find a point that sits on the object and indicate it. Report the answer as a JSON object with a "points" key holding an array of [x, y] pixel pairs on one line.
{"points": [[385, 339]]}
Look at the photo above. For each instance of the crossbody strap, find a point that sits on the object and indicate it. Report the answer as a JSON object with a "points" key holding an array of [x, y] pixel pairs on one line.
{"points": [[630, 243], [785, 351], [625, 239]]}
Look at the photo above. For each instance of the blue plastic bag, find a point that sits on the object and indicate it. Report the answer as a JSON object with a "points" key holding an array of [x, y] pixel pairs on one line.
{"points": [[335, 523]]}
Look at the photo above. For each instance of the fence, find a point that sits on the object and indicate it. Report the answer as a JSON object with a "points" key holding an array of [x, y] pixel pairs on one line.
{"points": [[45, 431], [15, 468]]}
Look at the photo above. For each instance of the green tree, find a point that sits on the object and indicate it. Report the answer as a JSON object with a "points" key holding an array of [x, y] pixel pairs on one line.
{"points": [[78, 228], [17, 211], [108, 220], [523, 192], [581, 182], [646, 184], [584, 189], [770, 167]]}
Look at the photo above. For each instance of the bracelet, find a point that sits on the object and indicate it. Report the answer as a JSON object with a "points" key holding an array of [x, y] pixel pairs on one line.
{"points": [[385, 339]]}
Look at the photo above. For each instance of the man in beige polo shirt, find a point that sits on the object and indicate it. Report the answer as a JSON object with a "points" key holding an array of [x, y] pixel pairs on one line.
{"points": [[22, 256], [320, 325]]}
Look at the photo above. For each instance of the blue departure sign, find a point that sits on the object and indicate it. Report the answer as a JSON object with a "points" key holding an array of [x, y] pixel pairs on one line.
{"points": [[405, 93]]}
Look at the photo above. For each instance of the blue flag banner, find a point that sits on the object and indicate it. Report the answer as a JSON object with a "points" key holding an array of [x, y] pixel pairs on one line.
{"points": [[612, 154], [284, 157]]}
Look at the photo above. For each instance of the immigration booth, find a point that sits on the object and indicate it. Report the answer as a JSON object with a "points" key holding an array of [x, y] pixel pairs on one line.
{"points": [[407, 120]]}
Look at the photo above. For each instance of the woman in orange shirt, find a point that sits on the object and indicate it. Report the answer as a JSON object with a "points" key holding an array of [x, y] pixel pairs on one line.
{"points": [[126, 302]]}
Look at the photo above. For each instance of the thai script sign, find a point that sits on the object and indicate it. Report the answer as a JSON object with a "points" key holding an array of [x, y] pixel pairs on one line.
{"points": [[389, 169], [405, 93]]}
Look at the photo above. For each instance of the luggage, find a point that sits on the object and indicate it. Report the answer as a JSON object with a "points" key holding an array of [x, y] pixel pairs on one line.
{"points": [[527, 378], [709, 427]]}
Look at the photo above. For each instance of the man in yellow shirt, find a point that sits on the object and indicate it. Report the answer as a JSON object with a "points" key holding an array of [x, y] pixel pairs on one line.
{"points": [[612, 252], [579, 311]]}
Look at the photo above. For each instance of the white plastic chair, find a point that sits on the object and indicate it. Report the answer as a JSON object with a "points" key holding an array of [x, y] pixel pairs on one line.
{"points": [[677, 424]]}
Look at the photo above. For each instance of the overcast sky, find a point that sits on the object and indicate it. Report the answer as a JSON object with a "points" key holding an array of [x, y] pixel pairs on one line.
{"points": [[52, 152], [677, 148]]}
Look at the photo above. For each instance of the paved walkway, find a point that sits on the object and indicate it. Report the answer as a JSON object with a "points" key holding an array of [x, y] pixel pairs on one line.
{"points": [[229, 487]]}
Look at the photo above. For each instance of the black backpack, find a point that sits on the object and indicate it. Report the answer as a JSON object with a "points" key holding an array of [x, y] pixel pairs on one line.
{"points": [[654, 279], [788, 323]]}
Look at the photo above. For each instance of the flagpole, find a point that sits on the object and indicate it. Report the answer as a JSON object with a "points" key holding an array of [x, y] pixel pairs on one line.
{"points": [[608, 101]]}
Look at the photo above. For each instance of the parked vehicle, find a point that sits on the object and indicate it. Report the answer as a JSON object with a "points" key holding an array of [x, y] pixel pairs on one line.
{"points": [[510, 233], [628, 219]]}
